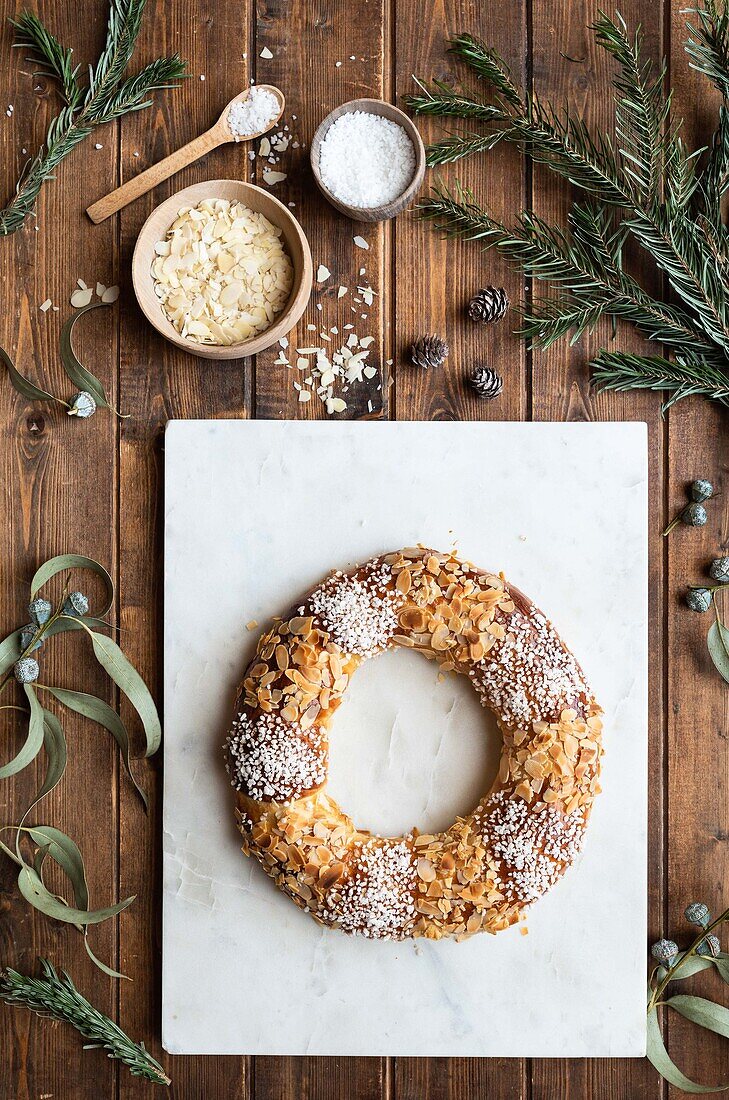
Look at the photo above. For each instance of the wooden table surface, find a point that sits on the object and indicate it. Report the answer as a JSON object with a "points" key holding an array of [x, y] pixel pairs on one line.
{"points": [[95, 487]]}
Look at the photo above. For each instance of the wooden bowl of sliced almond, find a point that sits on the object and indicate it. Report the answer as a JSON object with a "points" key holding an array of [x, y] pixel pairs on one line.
{"points": [[222, 269]]}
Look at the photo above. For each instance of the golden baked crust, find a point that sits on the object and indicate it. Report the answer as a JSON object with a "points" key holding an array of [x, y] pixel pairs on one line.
{"points": [[482, 872]]}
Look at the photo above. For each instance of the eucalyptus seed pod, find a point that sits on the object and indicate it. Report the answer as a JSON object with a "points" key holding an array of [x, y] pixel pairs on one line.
{"points": [[701, 489], [39, 610], [664, 951], [697, 913], [719, 570], [26, 670], [699, 599], [710, 946], [76, 604]]}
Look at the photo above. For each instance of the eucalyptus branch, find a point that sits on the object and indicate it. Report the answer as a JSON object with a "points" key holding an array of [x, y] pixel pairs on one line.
{"points": [[55, 996], [105, 97]]}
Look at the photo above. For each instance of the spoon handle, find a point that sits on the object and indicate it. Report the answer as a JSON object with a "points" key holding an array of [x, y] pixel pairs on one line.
{"points": [[153, 175]]}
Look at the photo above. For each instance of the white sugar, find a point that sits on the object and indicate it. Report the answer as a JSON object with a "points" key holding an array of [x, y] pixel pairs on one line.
{"points": [[254, 114], [366, 160], [271, 758]]}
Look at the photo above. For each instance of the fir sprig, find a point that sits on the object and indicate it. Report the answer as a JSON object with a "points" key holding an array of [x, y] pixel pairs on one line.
{"points": [[662, 195], [105, 96], [55, 996]]}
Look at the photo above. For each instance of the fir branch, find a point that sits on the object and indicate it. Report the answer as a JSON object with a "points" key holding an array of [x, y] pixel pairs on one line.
{"points": [[642, 107], [457, 146], [708, 44], [56, 997], [440, 99], [682, 378], [51, 58], [106, 97], [488, 65]]}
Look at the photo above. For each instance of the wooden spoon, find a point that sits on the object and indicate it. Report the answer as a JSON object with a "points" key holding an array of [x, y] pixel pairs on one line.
{"points": [[211, 139]]}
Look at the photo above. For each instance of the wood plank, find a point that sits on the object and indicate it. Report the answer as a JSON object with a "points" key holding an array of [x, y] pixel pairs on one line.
{"points": [[54, 502], [158, 382], [435, 281], [698, 704], [306, 40], [561, 391], [324, 56]]}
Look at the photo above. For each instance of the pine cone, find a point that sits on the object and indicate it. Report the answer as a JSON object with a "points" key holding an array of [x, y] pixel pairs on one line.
{"points": [[489, 305], [429, 351], [487, 383]]}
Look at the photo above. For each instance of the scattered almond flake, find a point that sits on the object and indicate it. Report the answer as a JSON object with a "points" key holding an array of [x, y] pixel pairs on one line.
{"points": [[45, 306], [352, 339], [348, 326], [56, 309], [325, 336], [282, 361], [370, 372], [135, 153], [110, 294], [337, 64], [81, 284], [369, 406], [273, 178], [366, 341], [322, 273], [336, 405], [98, 145], [281, 143], [81, 298], [308, 351], [252, 624], [284, 341], [319, 306], [304, 395], [352, 57], [362, 270], [334, 330], [100, 288], [302, 363], [311, 328], [202, 76], [367, 293], [264, 148], [388, 362], [265, 52], [360, 242]]}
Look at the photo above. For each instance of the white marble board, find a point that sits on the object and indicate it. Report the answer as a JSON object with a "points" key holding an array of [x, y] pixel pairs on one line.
{"points": [[256, 513]]}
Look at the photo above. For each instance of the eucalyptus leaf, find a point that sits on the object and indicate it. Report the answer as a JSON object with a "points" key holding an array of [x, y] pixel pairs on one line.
{"points": [[54, 744], [99, 711], [34, 892], [658, 1055], [702, 1011], [718, 643], [66, 854], [101, 965], [693, 965], [63, 563], [9, 651], [75, 370], [126, 677], [34, 740], [721, 962], [22, 385]]}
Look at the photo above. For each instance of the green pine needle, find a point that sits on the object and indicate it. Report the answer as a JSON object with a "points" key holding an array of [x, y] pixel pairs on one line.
{"points": [[106, 96], [661, 194], [55, 996]]}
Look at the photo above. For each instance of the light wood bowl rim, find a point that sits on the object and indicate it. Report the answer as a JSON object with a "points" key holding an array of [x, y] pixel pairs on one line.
{"points": [[154, 229], [387, 110]]}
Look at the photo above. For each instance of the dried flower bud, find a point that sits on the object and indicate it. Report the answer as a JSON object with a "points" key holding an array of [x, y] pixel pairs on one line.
{"points": [[697, 913], [26, 670], [39, 610], [719, 570], [694, 515], [76, 604], [701, 489], [709, 946], [664, 951], [698, 599], [27, 633], [83, 405]]}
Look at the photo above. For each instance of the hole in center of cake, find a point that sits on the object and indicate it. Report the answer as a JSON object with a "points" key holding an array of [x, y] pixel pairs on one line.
{"points": [[407, 750]]}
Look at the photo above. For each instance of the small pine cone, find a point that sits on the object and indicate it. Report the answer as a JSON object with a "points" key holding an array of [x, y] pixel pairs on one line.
{"points": [[489, 305], [429, 351], [487, 383]]}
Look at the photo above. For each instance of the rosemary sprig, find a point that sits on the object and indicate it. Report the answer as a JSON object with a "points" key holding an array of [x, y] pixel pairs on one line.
{"points": [[661, 195], [105, 96], [55, 996]]}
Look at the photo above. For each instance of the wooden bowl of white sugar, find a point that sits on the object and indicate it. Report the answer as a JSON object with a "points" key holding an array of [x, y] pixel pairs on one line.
{"points": [[204, 334], [368, 159]]}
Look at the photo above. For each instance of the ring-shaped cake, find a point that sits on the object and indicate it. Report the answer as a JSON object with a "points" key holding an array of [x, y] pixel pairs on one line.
{"points": [[488, 867]]}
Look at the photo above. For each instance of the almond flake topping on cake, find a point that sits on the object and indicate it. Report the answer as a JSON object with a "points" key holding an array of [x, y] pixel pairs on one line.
{"points": [[271, 758]]}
